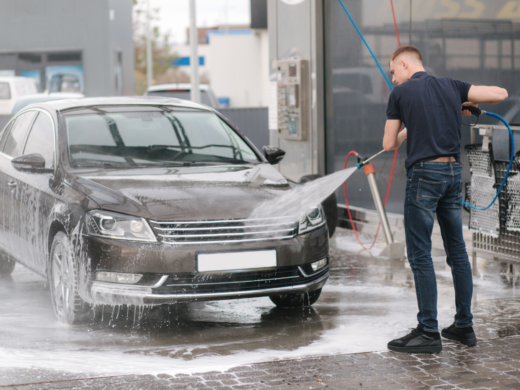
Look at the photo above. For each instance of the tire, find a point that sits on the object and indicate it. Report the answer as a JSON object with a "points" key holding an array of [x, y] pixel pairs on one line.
{"points": [[63, 282], [296, 300], [330, 205], [7, 264]]}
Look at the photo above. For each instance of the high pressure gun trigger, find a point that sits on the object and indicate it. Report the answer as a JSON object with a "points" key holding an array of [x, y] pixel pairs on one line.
{"points": [[474, 110]]}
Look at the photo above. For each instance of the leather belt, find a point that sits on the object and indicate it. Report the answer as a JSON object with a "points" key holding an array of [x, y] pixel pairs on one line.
{"points": [[443, 159]]}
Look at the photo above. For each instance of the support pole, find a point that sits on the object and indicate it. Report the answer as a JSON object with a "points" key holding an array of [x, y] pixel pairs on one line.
{"points": [[393, 250], [149, 61], [474, 262], [194, 59], [371, 176]]}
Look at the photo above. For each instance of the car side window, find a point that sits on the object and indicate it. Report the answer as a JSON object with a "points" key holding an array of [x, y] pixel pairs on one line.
{"points": [[15, 139], [5, 133], [41, 139]]}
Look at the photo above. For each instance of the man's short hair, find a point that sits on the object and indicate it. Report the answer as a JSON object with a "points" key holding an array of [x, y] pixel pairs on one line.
{"points": [[407, 49]]}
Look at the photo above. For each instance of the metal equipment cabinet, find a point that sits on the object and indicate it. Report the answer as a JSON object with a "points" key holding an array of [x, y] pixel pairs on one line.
{"points": [[496, 231]]}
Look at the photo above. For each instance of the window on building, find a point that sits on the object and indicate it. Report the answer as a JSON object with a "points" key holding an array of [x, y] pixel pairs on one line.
{"points": [[64, 57]]}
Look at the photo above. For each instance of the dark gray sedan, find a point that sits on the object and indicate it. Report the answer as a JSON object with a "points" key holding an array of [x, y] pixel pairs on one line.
{"points": [[148, 201]]}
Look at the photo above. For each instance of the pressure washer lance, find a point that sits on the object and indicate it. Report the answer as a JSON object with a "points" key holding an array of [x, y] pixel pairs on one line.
{"points": [[359, 165]]}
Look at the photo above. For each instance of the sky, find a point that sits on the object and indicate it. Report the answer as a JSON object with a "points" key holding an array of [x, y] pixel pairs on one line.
{"points": [[175, 16]]}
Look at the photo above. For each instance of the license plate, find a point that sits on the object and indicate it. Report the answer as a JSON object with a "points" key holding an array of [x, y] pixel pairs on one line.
{"points": [[236, 261]]}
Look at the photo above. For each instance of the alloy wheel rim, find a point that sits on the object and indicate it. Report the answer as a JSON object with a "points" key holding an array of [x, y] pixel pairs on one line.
{"points": [[62, 280]]}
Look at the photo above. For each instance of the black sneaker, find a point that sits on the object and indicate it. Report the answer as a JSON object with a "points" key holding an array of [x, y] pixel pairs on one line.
{"points": [[417, 341], [465, 335]]}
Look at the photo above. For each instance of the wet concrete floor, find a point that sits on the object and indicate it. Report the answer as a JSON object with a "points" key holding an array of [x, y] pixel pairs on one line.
{"points": [[367, 301]]}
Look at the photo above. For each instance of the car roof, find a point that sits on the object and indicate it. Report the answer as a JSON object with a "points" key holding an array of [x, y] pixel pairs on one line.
{"points": [[67, 104], [25, 100], [162, 87]]}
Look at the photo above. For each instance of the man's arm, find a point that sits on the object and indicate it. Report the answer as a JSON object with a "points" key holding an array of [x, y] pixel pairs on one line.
{"points": [[393, 138], [484, 94]]}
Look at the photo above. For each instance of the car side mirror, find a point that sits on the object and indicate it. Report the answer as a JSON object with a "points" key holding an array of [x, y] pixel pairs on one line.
{"points": [[30, 163], [273, 154]]}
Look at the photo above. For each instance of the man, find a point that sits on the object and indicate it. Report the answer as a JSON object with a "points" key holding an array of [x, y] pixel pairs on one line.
{"points": [[430, 108]]}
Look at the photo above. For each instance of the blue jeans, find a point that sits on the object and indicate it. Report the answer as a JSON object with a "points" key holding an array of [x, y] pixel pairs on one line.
{"points": [[436, 187]]}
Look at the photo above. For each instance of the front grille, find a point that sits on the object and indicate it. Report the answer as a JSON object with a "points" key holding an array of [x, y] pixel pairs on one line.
{"points": [[193, 283], [225, 231]]}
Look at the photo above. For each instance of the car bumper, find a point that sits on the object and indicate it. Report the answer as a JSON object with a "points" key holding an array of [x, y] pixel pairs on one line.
{"points": [[170, 273], [115, 294], [158, 258]]}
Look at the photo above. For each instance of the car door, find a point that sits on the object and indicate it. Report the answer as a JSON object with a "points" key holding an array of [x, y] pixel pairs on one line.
{"points": [[12, 146], [36, 193], [4, 191]]}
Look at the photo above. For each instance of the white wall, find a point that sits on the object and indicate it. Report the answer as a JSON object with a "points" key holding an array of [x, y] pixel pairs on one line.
{"points": [[238, 66]]}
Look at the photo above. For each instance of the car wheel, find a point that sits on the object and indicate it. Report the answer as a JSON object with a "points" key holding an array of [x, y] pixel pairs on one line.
{"points": [[63, 281], [296, 300], [330, 205], [6, 264]]}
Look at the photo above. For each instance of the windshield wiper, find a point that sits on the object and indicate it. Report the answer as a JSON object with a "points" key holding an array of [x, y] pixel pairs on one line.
{"points": [[181, 163], [165, 164], [100, 164]]}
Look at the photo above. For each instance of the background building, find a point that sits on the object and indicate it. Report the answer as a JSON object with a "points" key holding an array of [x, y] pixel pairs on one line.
{"points": [[69, 44], [238, 65]]}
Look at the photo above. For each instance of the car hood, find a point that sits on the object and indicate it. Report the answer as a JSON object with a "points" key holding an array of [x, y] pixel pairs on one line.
{"points": [[182, 193]]}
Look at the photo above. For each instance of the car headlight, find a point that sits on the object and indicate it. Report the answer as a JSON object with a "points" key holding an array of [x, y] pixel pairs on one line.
{"points": [[313, 219], [106, 224]]}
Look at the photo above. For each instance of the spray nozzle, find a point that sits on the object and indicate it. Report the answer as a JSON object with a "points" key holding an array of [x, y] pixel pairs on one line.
{"points": [[361, 161]]}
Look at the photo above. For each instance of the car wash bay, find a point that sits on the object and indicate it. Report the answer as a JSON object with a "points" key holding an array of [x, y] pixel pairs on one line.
{"points": [[367, 301]]}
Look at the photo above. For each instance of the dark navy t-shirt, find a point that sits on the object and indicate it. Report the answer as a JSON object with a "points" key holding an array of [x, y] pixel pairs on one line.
{"points": [[430, 109]]}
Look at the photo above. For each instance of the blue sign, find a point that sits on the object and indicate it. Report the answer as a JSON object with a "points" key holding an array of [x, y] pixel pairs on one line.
{"points": [[223, 101], [185, 61]]}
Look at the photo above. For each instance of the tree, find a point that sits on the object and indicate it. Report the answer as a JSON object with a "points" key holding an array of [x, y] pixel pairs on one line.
{"points": [[162, 54]]}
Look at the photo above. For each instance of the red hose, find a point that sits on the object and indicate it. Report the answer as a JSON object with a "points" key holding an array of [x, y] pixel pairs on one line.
{"points": [[391, 172], [395, 24]]}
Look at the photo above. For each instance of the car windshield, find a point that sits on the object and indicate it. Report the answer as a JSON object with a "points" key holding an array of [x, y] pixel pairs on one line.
{"points": [[144, 138]]}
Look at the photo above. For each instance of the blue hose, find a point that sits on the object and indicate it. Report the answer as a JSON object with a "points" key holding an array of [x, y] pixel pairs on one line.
{"points": [[508, 168], [484, 112], [366, 44]]}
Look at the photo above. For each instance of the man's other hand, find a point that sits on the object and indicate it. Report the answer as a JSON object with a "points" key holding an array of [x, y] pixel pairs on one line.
{"points": [[467, 112]]}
